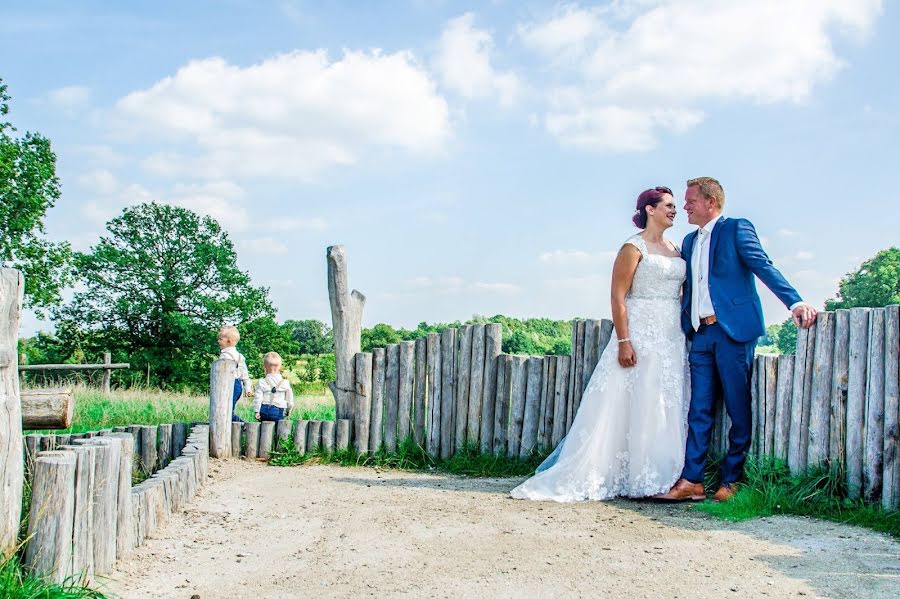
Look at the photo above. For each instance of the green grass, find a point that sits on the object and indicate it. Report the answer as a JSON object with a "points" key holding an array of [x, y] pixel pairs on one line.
{"points": [[469, 461], [95, 410], [16, 583], [770, 489]]}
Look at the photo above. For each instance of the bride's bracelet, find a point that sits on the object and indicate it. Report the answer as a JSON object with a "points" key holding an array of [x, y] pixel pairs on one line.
{"points": [[625, 340]]}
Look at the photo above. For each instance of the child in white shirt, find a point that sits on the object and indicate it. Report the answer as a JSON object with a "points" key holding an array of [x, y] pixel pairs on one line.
{"points": [[228, 338], [274, 396]]}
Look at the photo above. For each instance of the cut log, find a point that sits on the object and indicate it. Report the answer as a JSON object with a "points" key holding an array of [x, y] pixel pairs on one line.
{"points": [[890, 489], [433, 358], [328, 434], [405, 389], [283, 433], [107, 466], [463, 377], [346, 317], [221, 391], [873, 458], [420, 416], [376, 420], [83, 524], [579, 327], [48, 554], [251, 434], [12, 469], [546, 439], [300, 434], [342, 435], [518, 388], [501, 404], [542, 402], [796, 446], [124, 542], [314, 436], [771, 403], [266, 439], [856, 400], [783, 406], [32, 447], [591, 331], [837, 422], [559, 407], [493, 333], [148, 448], [179, 437], [820, 398], [391, 396], [755, 374], [47, 408], [534, 370], [476, 386], [448, 391], [236, 429], [362, 406]]}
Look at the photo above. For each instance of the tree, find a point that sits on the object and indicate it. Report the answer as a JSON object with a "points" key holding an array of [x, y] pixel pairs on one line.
{"points": [[28, 188], [262, 335], [875, 284], [381, 335], [311, 336], [158, 287], [787, 337]]}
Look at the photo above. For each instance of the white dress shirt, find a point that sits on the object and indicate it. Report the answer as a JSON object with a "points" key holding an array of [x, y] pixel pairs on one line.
{"points": [[240, 365], [274, 390]]}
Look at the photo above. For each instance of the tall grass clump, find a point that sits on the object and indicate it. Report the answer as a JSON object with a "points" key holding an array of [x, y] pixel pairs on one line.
{"points": [[17, 583], [821, 492]]}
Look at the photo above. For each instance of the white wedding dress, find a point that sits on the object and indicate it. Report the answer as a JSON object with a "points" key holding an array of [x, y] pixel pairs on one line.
{"points": [[628, 437]]}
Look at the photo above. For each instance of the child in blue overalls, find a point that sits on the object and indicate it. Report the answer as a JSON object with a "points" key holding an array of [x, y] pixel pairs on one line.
{"points": [[228, 338]]}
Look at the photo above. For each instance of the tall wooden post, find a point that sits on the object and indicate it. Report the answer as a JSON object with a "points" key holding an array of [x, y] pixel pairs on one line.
{"points": [[346, 319], [107, 373], [12, 468], [221, 391]]}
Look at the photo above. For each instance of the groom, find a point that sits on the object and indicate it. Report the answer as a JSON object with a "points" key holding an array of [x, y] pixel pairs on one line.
{"points": [[722, 315]]}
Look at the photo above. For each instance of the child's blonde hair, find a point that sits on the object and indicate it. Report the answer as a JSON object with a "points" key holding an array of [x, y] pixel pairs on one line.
{"points": [[271, 360], [230, 332]]}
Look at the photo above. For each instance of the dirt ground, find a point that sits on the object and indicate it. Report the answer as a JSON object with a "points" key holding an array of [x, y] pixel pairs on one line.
{"points": [[326, 531]]}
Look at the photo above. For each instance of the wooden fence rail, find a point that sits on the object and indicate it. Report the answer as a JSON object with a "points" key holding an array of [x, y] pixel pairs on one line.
{"points": [[107, 367]]}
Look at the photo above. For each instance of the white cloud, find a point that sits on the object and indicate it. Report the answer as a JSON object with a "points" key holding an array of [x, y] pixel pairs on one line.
{"points": [[70, 98], [291, 116], [574, 257], [644, 67], [99, 181], [500, 288], [464, 63], [805, 256], [787, 232], [266, 246]]}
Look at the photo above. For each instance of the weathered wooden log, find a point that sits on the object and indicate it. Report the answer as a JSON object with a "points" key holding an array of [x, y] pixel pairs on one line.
{"points": [[83, 522], [856, 400], [771, 403], [164, 453], [251, 436], [604, 334], [148, 448], [137, 513], [346, 316], [533, 371], [591, 330], [575, 384], [32, 447], [405, 389], [463, 379], [837, 422], [570, 385], [362, 406], [314, 436], [266, 439], [179, 437], [283, 430], [47, 408], [754, 405], [890, 489], [476, 386], [502, 403], [420, 416], [376, 420], [391, 396], [48, 553], [124, 542], [433, 358], [328, 436], [236, 430], [796, 443], [221, 391], [48, 442], [300, 431], [518, 389], [493, 333], [342, 435], [783, 406], [12, 470], [559, 407], [873, 458], [107, 372], [542, 402], [107, 466], [820, 405], [546, 439], [448, 391]]}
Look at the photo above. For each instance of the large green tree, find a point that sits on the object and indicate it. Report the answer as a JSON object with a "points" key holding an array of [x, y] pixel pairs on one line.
{"points": [[311, 336], [155, 290], [28, 188], [876, 283]]}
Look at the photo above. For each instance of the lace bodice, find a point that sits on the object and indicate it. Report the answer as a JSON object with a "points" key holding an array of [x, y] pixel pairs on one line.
{"points": [[657, 276]]}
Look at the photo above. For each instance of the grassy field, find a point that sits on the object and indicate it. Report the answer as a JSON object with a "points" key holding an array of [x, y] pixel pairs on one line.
{"points": [[95, 410]]}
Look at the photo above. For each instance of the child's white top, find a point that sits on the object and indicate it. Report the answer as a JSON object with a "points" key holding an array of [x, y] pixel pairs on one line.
{"points": [[274, 390], [240, 372]]}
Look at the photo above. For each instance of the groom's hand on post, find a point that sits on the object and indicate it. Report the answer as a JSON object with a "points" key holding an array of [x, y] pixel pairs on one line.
{"points": [[804, 316], [627, 357]]}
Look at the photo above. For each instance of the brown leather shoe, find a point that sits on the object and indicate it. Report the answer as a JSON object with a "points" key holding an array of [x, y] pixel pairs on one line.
{"points": [[724, 493], [684, 490]]}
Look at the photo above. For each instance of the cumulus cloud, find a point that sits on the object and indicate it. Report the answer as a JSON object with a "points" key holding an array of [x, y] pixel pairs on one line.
{"points": [[464, 63], [70, 98], [267, 246], [574, 257], [292, 115], [645, 67]]}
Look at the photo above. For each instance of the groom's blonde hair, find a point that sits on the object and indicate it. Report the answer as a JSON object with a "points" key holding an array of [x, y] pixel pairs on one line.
{"points": [[710, 188]]}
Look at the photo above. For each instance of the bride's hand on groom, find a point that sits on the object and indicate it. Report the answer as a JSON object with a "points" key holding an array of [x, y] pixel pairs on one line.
{"points": [[627, 357]]}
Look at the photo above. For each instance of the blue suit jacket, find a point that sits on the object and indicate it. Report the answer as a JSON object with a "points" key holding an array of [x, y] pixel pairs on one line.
{"points": [[735, 256]]}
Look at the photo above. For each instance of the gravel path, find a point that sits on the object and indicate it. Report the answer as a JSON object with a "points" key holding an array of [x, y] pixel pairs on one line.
{"points": [[326, 531]]}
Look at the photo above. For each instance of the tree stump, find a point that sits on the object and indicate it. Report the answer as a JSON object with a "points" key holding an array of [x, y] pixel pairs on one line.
{"points": [[251, 434], [346, 317], [221, 391], [300, 436], [12, 469], [342, 434], [48, 553], [266, 438]]}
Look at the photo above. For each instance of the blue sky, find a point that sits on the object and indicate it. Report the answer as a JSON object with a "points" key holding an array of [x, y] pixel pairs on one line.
{"points": [[475, 158]]}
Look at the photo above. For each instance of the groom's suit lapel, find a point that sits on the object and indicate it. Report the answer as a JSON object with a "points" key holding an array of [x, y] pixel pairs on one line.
{"points": [[714, 239]]}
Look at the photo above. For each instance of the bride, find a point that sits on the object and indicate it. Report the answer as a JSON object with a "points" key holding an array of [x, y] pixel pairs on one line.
{"points": [[628, 437]]}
